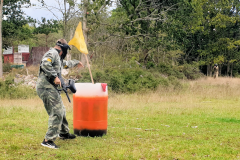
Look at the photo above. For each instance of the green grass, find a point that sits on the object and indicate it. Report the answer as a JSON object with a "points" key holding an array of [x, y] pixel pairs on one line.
{"points": [[161, 125]]}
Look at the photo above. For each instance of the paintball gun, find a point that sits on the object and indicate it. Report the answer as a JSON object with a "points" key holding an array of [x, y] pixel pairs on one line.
{"points": [[71, 86]]}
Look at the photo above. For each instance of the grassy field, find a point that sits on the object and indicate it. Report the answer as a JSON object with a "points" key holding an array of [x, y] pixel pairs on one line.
{"points": [[201, 121]]}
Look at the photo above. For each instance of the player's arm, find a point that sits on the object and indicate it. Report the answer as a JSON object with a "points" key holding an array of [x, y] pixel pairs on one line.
{"points": [[46, 66], [71, 64]]}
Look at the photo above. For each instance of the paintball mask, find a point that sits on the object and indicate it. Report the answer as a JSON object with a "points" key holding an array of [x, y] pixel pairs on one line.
{"points": [[64, 48]]}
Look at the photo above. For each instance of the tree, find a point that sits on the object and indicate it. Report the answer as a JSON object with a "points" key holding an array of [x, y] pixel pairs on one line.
{"points": [[72, 10], [141, 22], [67, 8], [94, 8], [14, 21], [46, 27], [1, 67], [207, 31], [11, 9], [219, 32]]}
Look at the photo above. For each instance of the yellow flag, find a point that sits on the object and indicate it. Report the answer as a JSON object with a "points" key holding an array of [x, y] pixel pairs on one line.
{"points": [[78, 40]]}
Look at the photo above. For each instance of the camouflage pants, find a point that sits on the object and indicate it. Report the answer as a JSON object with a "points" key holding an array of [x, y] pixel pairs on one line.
{"points": [[215, 75], [57, 122]]}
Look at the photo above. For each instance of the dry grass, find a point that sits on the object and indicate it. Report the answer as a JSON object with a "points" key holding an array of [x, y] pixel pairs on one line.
{"points": [[201, 121], [224, 88], [31, 104], [32, 70], [198, 91], [232, 82]]}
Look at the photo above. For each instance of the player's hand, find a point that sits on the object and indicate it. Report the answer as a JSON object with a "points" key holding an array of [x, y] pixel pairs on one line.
{"points": [[57, 81], [80, 65]]}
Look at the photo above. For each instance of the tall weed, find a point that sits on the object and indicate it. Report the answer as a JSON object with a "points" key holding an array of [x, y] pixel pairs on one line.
{"points": [[130, 80], [11, 91]]}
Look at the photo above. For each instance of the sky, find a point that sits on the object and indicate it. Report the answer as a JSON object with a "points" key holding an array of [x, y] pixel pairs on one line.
{"points": [[37, 11]]}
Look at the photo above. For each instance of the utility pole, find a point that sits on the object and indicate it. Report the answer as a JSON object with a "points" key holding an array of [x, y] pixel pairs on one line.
{"points": [[65, 19], [1, 64]]}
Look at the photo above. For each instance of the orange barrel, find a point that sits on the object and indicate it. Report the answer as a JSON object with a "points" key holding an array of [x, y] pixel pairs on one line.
{"points": [[90, 104]]}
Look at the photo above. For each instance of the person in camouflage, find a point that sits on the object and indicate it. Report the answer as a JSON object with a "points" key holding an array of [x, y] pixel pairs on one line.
{"points": [[52, 64], [215, 71]]}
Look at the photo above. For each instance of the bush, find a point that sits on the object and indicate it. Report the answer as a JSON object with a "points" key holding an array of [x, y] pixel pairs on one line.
{"points": [[150, 65], [7, 67], [169, 70], [126, 80], [175, 83], [191, 71], [9, 90]]}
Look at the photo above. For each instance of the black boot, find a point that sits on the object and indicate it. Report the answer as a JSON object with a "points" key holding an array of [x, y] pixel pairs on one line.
{"points": [[67, 136]]}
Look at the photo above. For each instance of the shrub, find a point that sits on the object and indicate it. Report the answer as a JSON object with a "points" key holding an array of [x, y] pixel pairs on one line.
{"points": [[150, 65], [175, 83], [169, 70], [9, 90], [191, 71], [126, 80], [7, 67]]}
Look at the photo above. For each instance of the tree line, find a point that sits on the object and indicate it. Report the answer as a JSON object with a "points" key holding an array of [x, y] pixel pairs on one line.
{"points": [[149, 32]]}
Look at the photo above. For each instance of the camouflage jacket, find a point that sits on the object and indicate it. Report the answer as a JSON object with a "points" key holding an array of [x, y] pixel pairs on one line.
{"points": [[51, 64], [215, 69]]}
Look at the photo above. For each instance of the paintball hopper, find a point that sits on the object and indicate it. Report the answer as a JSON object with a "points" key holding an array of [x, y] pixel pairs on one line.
{"points": [[71, 86]]}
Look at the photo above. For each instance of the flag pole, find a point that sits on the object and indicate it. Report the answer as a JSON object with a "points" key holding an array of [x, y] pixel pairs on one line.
{"points": [[89, 69]]}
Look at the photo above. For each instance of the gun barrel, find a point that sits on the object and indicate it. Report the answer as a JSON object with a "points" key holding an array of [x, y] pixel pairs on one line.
{"points": [[67, 95]]}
